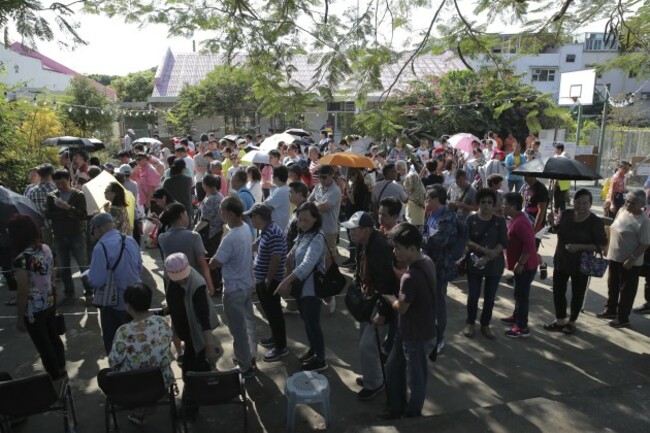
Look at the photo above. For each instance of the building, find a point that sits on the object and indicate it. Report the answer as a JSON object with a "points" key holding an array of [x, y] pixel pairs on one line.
{"points": [[587, 51], [32, 73], [180, 69]]}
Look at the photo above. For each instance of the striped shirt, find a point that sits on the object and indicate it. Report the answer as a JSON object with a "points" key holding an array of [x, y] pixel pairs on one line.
{"points": [[271, 241], [38, 195]]}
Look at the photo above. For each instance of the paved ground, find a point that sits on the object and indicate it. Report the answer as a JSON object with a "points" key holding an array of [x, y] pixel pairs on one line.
{"points": [[596, 380]]}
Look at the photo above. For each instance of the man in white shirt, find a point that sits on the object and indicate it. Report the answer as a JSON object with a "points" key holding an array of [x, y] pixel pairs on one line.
{"points": [[279, 198], [128, 140]]}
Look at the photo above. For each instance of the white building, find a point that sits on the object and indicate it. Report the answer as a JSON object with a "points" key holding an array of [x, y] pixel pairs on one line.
{"points": [[543, 70], [35, 73]]}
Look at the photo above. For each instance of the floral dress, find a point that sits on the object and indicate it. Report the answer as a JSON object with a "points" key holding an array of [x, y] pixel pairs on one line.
{"points": [[122, 223], [38, 262], [143, 344]]}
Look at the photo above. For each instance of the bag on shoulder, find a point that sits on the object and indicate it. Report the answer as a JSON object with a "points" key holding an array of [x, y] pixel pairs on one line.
{"points": [[330, 283], [106, 295], [459, 246], [358, 304]]}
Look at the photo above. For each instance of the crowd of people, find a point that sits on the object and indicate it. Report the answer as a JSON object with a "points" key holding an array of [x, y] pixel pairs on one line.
{"points": [[424, 216]]}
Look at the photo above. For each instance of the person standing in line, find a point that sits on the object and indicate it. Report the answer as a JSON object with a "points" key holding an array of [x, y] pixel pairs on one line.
{"points": [[235, 258], [121, 254], [39, 194], [488, 237], [513, 161], [211, 222], [180, 187], [297, 195], [521, 258], [416, 336], [327, 198], [616, 195], [128, 140], [645, 307], [628, 240], [268, 267], [579, 231], [279, 198]]}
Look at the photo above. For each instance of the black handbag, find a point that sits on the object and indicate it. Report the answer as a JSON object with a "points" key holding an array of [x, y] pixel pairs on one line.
{"points": [[330, 283], [358, 304]]}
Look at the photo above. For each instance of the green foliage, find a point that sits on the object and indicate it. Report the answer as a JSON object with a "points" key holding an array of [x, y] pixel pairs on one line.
{"points": [[135, 87], [84, 122]]}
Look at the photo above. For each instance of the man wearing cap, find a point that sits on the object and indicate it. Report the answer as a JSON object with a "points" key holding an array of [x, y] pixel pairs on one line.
{"points": [[374, 274], [147, 179], [128, 140], [269, 267], [113, 250], [235, 258], [38, 195]]}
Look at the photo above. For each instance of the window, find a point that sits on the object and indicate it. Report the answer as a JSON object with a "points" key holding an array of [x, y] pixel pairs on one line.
{"points": [[340, 106], [631, 74], [570, 58], [544, 74]]}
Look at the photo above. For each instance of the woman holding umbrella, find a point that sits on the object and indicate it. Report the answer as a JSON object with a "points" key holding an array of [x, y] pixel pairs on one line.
{"points": [[35, 297]]}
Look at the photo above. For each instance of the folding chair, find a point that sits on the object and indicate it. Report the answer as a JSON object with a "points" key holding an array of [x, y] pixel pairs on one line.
{"points": [[34, 395], [213, 388], [134, 389]]}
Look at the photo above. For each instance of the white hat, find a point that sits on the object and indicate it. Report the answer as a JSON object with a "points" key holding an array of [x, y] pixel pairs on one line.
{"points": [[125, 169]]}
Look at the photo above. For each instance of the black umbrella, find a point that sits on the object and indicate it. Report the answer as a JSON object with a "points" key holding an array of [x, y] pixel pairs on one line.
{"points": [[75, 143], [13, 203], [298, 132], [557, 168]]}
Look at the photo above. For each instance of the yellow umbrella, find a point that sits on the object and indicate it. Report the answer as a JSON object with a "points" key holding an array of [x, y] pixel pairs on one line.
{"points": [[94, 192], [347, 159]]}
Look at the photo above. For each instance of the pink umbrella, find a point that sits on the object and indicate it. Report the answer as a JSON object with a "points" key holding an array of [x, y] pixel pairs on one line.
{"points": [[463, 142]]}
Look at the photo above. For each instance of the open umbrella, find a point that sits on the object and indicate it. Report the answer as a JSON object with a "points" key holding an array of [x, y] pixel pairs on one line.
{"points": [[75, 143], [298, 132], [13, 203], [97, 144], [347, 159], [256, 157], [557, 168], [232, 138], [147, 141], [94, 192], [271, 142], [463, 142]]}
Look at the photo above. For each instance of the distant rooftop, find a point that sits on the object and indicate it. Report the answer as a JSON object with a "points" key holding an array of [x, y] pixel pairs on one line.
{"points": [[179, 69], [54, 66]]}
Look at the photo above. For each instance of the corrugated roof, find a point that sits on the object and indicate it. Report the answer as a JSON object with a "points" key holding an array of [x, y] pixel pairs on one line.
{"points": [[180, 69]]}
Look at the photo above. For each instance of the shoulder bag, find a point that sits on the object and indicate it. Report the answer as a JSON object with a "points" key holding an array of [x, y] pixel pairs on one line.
{"points": [[106, 295], [330, 283]]}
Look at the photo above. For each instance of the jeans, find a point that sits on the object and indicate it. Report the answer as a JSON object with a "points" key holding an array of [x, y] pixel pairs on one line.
{"points": [[407, 365], [517, 184], [578, 290], [309, 308], [111, 319], [64, 247], [47, 341], [474, 292], [238, 308], [273, 310], [522, 295], [370, 354], [441, 306], [622, 285]]}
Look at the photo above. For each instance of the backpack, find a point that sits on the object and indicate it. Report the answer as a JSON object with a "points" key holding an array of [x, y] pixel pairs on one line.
{"points": [[458, 248]]}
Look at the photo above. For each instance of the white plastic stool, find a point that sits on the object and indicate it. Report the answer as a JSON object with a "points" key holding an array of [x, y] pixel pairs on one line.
{"points": [[307, 387]]}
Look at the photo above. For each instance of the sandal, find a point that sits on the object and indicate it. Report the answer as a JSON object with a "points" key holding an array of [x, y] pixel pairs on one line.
{"points": [[554, 327]]}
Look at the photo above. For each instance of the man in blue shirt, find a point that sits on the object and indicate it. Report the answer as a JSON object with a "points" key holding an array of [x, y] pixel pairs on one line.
{"points": [[238, 183], [279, 198], [127, 272], [269, 267]]}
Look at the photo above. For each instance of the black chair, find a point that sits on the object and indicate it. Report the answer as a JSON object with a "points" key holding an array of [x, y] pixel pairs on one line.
{"points": [[134, 389], [213, 388], [23, 397]]}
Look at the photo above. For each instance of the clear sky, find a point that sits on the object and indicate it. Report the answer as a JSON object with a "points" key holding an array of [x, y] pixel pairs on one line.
{"points": [[117, 48]]}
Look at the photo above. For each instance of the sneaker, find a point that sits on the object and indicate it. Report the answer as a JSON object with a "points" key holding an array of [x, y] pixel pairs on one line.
{"points": [[248, 374], [554, 326], [315, 364], [359, 381], [517, 332], [267, 342], [606, 314], [440, 345], [136, 419], [235, 361], [618, 324], [569, 329], [306, 357], [275, 354], [508, 320], [469, 330], [643, 309], [369, 394], [543, 271], [487, 332]]}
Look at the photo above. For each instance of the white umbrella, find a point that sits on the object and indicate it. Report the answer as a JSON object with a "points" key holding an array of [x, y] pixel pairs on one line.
{"points": [[256, 157], [271, 142], [148, 141]]}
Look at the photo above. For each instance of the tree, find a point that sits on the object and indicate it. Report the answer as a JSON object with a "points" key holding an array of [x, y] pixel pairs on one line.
{"points": [[135, 87], [88, 109]]}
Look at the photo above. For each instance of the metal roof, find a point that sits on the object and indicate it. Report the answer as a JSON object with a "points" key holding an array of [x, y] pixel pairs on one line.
{"points": [[179, 69]]}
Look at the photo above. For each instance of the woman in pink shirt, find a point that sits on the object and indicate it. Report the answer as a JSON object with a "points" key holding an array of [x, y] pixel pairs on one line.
{"points": [[521, 258]]}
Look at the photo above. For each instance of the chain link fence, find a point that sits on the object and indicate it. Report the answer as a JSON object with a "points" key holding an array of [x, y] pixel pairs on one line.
{"points": [[620, 145]]}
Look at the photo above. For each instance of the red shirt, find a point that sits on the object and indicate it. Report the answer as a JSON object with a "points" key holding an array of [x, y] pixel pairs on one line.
{"points": [[521, 239]]}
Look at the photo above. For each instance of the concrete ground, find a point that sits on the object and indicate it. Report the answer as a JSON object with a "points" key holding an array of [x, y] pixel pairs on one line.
{"points": [[596, 380]]}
